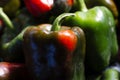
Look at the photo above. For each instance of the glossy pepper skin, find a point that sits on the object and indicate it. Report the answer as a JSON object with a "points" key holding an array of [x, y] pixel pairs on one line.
{"points": [[110, 4], [101, 42], [111, 73], [54, 55], [40, 8], [13, 71]]}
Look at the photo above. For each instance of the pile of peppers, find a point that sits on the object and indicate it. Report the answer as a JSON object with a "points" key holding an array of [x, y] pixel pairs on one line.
{"points": [[60, 40]]}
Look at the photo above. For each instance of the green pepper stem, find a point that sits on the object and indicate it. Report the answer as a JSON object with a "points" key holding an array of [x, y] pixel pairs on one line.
{"points": [[81, 5], [14, 44], [57, 22], [6, 19]]}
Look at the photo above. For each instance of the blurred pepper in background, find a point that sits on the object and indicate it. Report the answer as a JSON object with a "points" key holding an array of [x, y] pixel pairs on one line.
{"points": [[13, 71], [10, 7], [38, 8]]}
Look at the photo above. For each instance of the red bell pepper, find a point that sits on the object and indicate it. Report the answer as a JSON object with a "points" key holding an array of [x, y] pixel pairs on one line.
{"points": [[40, 7], [37, 7]]}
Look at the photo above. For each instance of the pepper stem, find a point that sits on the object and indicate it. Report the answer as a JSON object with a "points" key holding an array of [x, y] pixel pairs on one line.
{"points": [[14, 45], [57, 22], [6, 19], [81, 5]]}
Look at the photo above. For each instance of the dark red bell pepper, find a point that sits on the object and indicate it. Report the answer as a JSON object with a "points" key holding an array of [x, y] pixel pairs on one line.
{"points": [[54, 53]]}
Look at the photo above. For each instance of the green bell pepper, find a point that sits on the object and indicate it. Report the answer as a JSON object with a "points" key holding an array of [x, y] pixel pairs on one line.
{"points": [[111, 73], [101, 41], [110, 4]]}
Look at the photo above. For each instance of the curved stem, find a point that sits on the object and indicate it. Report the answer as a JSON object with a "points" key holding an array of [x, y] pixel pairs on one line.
{"points": [[56, 24], [81, 5], [13, 46], [6, 19]]}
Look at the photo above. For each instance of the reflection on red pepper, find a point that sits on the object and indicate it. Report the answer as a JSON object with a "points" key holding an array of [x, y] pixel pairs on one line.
{"points": [[54, 7], [13, 71], [37, 7]]}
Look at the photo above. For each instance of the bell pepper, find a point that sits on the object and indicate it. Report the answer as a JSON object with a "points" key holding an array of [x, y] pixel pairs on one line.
{"points": [[110, 4], [13, 71], [101, 41], [11, 7], [38, 8], [111, 73], [54, 52]]}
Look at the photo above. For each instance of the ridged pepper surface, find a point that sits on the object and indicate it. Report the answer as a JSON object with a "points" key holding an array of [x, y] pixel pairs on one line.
{"points": [[53, 52]]}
